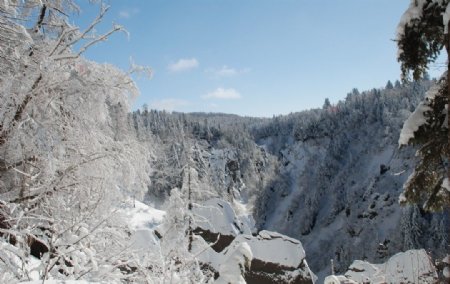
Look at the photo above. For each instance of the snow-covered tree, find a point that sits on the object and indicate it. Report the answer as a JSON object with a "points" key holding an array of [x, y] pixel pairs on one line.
{"points": [[66, 161], [326, 104], [389, 85], [421, 35], [177, 263]]}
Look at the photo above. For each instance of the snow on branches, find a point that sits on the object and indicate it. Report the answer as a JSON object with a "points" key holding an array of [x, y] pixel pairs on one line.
{"points": [[66, 160]]}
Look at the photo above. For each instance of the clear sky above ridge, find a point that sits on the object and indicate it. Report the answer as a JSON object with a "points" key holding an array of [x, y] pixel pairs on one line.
{"points": [[252, 57]]}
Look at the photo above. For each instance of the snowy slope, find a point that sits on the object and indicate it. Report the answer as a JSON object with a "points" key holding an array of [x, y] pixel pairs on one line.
{"points": [[412, 266], [338, 182], [217, 216], [141, 220]]}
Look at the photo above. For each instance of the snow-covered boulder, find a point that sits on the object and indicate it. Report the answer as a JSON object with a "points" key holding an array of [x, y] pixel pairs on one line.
{"points": [[224, 244], [276, 259], [216, 222], [141, 221], [412, 266], [237, 262], [444, 266]]}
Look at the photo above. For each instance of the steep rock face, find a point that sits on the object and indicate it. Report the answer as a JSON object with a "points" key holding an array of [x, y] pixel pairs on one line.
{"points": [[347, 214], [355, 213], [340, 173]]}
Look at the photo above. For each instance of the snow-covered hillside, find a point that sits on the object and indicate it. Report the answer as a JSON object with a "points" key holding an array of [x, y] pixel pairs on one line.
{"points": [[339, 184], [330, 177]]}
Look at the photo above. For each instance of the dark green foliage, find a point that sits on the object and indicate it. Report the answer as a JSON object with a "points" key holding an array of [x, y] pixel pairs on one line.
{"points": [[326, 104], [425, 185], [389, 85], [422, 40]]}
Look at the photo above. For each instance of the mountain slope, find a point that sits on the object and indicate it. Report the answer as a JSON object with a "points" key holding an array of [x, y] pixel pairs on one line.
{"points": [[329, 177]]}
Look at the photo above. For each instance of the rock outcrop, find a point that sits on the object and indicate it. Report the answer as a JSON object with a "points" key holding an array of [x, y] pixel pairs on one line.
{"points": [[216, 222], [412, 266], [276, 257]]}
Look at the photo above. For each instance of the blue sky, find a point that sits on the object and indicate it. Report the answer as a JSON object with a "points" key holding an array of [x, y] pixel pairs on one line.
{"points": [[252, 57]]}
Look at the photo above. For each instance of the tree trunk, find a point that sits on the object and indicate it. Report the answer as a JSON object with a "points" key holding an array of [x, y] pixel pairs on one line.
{"points": [[191, 230]]}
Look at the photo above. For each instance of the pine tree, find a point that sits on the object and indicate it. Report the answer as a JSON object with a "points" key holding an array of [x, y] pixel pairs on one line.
{"points": [[326, 104], [422, 33], [421, 36], [389, 85]]}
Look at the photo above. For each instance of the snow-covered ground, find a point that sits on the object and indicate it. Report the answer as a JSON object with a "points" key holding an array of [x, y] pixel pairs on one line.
{"points": [[141, 220], [62, 282], [412, 266], [217, 216]]}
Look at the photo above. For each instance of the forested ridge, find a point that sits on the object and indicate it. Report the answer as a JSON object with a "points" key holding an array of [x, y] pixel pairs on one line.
{"points": [[329, 177]]}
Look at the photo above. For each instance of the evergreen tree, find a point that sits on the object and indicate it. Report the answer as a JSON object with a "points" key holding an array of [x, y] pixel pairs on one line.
{"points": [[326, 104], [421, 36], [422, 33], [389, 85]]}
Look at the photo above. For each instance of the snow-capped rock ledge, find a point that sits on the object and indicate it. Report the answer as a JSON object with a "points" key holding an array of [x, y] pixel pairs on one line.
{"points": [[412, 266], [276, 259], [216, 222]]}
